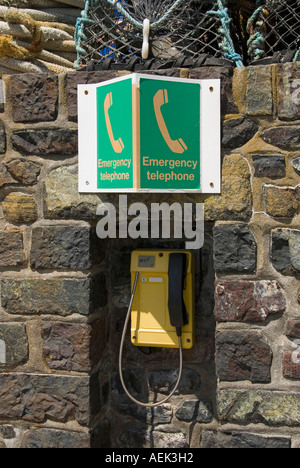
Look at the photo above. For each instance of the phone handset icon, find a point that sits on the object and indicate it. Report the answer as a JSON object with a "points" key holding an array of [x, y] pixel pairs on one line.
{"points": [[117, 145], [161, 98]]}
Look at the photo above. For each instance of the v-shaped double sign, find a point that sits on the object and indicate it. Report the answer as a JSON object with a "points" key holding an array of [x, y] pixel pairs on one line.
{"points": [[149, 133]]}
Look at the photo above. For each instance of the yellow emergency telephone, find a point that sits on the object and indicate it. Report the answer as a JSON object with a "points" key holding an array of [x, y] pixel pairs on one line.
{"points": [[164, 298], [162, 305]]}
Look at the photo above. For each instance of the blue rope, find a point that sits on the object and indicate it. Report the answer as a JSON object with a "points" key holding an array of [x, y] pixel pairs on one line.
{"points": [[227, 44], [79, 33], [256, 42]]}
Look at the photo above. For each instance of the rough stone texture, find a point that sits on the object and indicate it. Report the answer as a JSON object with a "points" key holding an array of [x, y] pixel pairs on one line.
{"points": [[2, 138], [243, 356], [237, 132], [20, 208], [72, 296], [11, 249], [235, 179], [259, 91], [288, 91], [34, 98], [7, 431], [46, 142], [234, 249], [192, 410], [248, 301], [293, 329], [272, 408], [55, 439], [2, 96], [37, 398], [291, 365], [205, 413], [285, 254], [281, 202], [162, 414], [73, 347], [25, 172], [16, 344], [159, 415], [294, 247], [137, 436], [280, 256], [272, 167], [62, 199], [243, 440], [162, 380], [187, 410], [283, 137], [164, 440], [5, 177], [72, 247], [296, 165]]}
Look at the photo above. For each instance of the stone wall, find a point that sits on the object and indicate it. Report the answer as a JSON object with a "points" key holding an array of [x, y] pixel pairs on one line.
{"points": [[64, 292]]}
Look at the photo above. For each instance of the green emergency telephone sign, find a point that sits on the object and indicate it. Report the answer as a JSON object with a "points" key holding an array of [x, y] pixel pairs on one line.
{"points": [[114, 136], [147, 134], [170, 135]]}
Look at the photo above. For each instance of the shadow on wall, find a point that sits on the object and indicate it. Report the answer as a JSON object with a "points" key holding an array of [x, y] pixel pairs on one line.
{"points": [[151, 372]]}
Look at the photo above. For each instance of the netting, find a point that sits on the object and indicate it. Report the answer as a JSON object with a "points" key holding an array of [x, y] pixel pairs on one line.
{"points": [[38, 35], [274, 30], [240, 11], [115, 31]]}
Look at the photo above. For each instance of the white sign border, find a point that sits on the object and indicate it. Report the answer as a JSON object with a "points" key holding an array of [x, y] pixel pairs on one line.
{"points": [[210, 136]]}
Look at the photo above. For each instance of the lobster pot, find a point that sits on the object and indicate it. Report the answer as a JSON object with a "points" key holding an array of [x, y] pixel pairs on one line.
{"points": [[274, 31], [113, 31], [240, 11]]}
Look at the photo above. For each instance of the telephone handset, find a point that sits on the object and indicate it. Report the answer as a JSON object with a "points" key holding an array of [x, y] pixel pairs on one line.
{"points": [[117, 145], [161, 98], [176, 304]]}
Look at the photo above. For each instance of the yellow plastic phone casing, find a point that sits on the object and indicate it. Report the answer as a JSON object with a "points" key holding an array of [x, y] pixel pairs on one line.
{"points": [[150, 319]]}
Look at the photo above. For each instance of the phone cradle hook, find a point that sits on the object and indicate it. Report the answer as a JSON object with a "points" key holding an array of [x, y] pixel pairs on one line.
{"points": [[146, 32]]}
